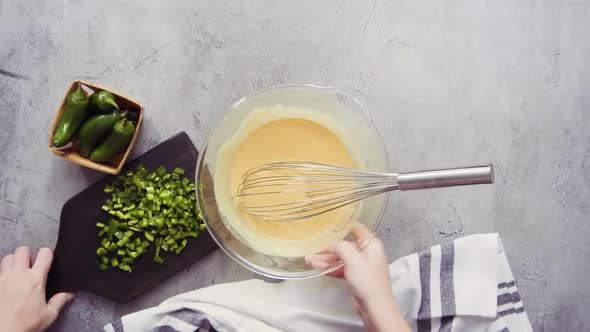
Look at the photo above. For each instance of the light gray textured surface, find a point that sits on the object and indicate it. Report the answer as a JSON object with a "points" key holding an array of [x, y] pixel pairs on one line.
{"points": [[448, 83]]}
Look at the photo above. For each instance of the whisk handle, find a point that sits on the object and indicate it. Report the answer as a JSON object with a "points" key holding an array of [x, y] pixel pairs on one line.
{"points": [[446, 177]]}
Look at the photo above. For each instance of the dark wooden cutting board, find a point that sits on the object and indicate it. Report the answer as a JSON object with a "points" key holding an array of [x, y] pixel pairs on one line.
{"points": [[74, 266]]}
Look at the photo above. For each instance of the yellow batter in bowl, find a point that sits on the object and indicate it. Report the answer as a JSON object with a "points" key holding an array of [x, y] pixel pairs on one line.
{"points": [[274, 134]]}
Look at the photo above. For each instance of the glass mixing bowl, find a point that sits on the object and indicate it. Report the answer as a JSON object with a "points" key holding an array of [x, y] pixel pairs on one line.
{"points": [[352, 116]]}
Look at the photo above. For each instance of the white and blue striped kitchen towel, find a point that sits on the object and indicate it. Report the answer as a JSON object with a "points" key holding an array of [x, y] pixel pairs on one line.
{"points": [[463, 285]]}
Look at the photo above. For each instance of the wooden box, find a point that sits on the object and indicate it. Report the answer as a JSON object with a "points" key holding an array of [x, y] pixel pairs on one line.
{"points": [[70, 151]]}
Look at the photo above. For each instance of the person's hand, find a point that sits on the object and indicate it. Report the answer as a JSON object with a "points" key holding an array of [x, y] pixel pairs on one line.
{"points": [[23, 307], [367, 275]]}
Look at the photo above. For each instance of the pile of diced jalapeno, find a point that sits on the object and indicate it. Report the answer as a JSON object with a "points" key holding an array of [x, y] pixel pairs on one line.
{"points": [[147, 209]]}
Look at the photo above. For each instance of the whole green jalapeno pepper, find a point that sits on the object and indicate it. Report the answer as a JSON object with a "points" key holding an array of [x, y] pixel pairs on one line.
{"points": [[103, 101], [117, 141], [95, 129], [72, 117]]}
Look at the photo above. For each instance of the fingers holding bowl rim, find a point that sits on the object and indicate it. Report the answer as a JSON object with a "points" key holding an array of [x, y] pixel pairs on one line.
{"points": [[363, 235]]}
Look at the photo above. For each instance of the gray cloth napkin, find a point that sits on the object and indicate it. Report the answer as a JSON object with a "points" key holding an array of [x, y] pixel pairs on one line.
{"points": [[463, 285]]}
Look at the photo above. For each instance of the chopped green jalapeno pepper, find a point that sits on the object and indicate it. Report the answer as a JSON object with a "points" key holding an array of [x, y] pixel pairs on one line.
{"points": [[148, 208]]}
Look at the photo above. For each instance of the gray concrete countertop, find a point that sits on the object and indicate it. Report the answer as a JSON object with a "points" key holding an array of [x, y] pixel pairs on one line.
{"points": [[447, 83]]}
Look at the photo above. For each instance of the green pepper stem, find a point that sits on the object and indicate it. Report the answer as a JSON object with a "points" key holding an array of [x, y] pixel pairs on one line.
{"points": [[112, 102]]}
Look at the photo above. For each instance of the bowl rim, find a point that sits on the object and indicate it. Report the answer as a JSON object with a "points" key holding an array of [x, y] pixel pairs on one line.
{"points": [[203, 148]]}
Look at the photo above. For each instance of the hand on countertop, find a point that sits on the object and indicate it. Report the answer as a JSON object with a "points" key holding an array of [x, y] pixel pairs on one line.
{"points": [[23, 307]]}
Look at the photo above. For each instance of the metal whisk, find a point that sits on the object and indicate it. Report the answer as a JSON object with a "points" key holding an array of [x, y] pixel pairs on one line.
{"points": [[295, 190]]}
